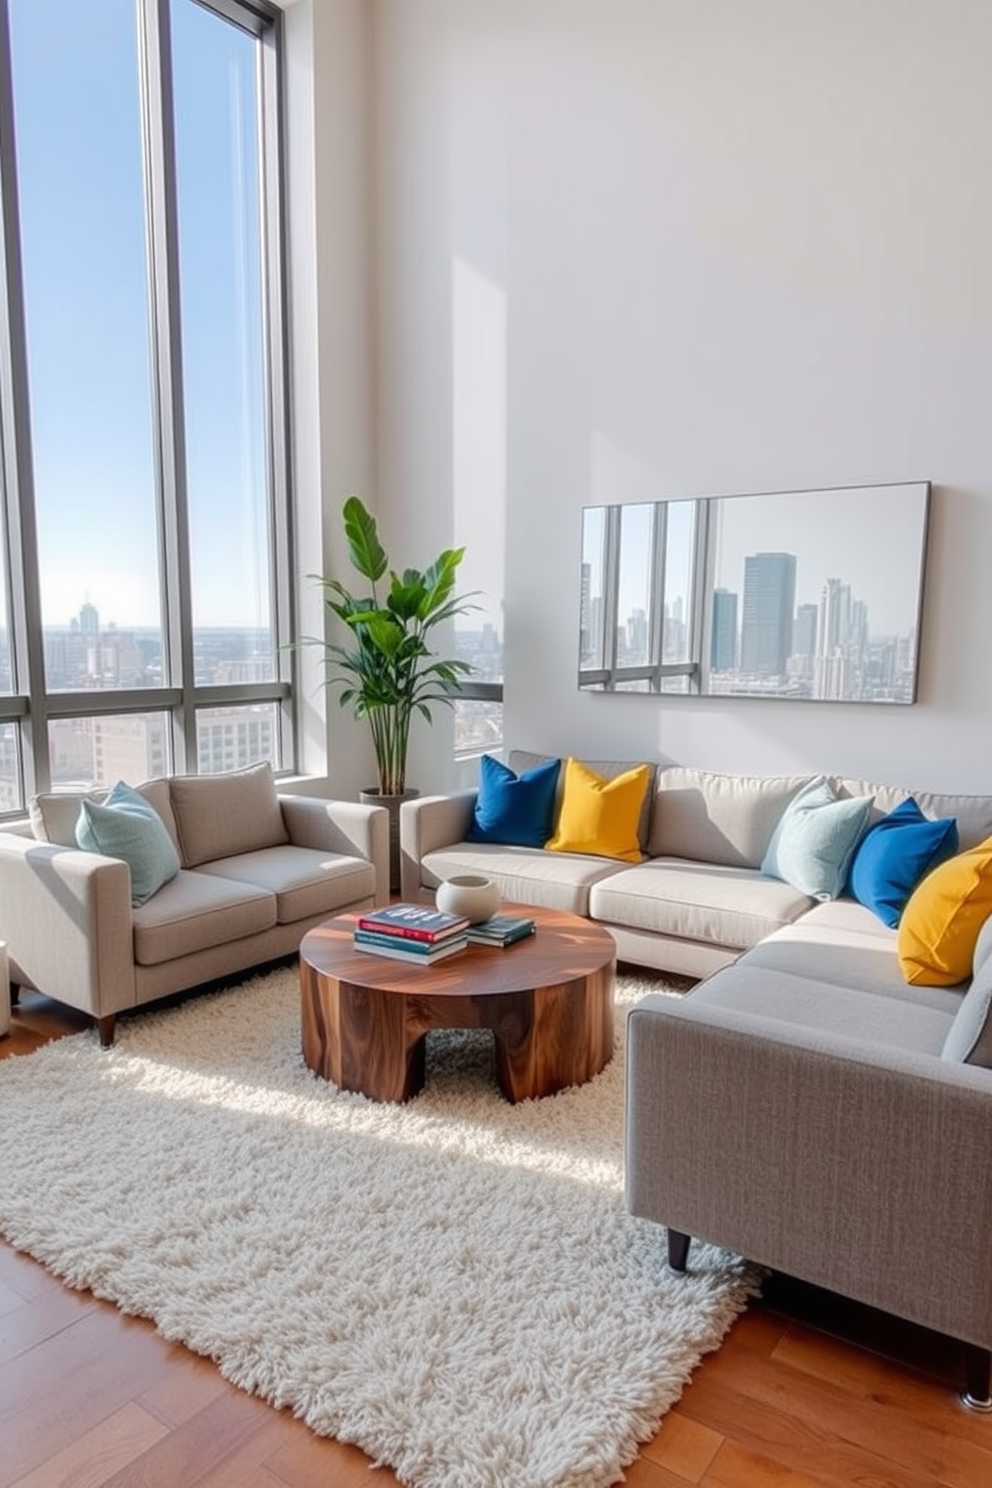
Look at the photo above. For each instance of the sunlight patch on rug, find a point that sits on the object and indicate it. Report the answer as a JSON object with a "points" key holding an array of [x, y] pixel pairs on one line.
{"points": [[453, 1285]]}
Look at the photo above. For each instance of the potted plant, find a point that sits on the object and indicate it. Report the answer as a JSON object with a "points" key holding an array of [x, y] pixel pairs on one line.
{"points": [[388, 672]]}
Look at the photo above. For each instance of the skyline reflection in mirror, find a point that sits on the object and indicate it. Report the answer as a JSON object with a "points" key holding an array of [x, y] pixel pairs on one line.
{"points": [[803, 595]]}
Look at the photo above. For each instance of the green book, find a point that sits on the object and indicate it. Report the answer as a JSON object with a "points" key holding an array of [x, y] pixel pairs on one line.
{"points": [[501, 930]]}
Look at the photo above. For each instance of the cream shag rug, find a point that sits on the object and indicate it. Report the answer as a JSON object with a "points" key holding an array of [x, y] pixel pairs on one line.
{"points": [[453, 1285]]}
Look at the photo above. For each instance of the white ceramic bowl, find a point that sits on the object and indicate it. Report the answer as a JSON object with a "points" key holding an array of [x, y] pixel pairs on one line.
{"points": [[469, 894]]}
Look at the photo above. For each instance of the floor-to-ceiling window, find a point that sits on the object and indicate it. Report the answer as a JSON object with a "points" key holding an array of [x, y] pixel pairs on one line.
{"points": [[145, 582]]}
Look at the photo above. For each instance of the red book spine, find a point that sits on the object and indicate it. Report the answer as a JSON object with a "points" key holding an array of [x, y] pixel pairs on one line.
{"points": [[402, 932]]}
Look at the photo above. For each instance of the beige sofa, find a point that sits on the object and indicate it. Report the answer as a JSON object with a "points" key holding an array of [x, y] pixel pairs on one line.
{"points": [[258, 869], [697, 900]]}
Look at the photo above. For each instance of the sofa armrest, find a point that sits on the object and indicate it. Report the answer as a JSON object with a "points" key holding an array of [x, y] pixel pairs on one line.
{"points": [[427, 823], [66, 918], [854, 1166], [347, 827]]}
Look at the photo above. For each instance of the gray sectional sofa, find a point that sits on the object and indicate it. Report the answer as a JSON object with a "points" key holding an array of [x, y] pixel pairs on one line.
{"points": [[805, 1107], [256, 871], [802, 1104]]}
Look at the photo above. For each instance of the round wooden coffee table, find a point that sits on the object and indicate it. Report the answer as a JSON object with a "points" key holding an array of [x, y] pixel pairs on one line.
{"points": [[548, 1000]]}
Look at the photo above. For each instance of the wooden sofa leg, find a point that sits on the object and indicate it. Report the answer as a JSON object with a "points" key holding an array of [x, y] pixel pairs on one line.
{"points": [[976, 1394], [678, 1250], [15, 993], [105, 1028]]}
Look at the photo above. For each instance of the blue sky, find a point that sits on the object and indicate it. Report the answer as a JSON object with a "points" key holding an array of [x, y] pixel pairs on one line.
{"points": [[77, 119]]}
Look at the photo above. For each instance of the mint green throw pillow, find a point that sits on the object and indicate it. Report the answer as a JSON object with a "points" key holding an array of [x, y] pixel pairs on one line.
{"points": [[815, 840], [126, 826]]}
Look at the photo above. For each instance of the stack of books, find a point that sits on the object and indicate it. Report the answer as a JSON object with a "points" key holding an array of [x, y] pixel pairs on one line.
{"points": [[411, 932], [501, 930]]}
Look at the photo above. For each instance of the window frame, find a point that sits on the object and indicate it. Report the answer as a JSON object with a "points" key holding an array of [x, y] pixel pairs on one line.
{"points": [[613, 675], [29, 705]]}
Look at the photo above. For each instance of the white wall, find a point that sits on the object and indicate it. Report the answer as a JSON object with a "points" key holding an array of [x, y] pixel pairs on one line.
{"points": [[732, 247], [329, 253]]}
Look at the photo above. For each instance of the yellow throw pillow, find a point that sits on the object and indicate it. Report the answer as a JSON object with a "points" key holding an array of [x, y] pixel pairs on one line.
{"points": [[600, 816], [942, 919]]}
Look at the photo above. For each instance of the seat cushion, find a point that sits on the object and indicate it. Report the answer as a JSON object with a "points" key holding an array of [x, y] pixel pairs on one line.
{"points": [[844, 943], [525, 875], [732, 907], [304, 880], [816, 1006], [220, 815], [196, 911]]}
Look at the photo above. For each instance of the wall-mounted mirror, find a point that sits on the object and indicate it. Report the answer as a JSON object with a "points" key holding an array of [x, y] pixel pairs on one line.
{"points": [[791, 594]]}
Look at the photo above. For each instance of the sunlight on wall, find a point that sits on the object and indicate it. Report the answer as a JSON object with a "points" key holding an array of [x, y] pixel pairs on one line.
{"points": [[478, 453]]}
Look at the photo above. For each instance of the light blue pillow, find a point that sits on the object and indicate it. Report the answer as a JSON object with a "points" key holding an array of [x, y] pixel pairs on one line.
{"points": [[126, 826], [815, 840], [969, 1038]]}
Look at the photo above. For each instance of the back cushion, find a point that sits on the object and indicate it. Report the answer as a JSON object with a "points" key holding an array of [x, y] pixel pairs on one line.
{"points": [[724, 819], [969, 1039], [973, 814], [218, 816], [522, 759], [54, 814]]}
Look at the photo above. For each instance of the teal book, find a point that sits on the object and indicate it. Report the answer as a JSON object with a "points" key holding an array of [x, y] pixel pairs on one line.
{"points": [[501, 930], [407, 950]]}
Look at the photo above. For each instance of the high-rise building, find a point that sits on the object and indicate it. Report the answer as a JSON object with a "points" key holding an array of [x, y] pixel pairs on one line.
{"points": [[832, 672], [723, 640], [636, 637], [804, 631], [835, 611], [766, 621], [585, 615]]}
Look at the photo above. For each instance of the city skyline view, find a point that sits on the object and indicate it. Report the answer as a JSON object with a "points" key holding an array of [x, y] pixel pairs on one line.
{"points": [[762, 641], [87, 655]]}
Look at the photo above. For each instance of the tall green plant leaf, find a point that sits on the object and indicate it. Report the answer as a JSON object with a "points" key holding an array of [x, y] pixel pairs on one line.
{"points": [[367, 553]]}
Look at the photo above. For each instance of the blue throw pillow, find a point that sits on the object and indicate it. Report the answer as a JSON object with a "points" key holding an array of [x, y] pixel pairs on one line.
{"points": [[514, 809], [895, 854], [127, 826], [815, 840]]}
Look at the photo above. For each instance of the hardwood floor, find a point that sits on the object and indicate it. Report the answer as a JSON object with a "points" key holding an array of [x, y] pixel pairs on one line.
{"points": [[808, 1389]]}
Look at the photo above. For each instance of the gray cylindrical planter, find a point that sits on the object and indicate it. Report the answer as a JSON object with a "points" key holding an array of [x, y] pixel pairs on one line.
{"points": [[392, 805]]}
